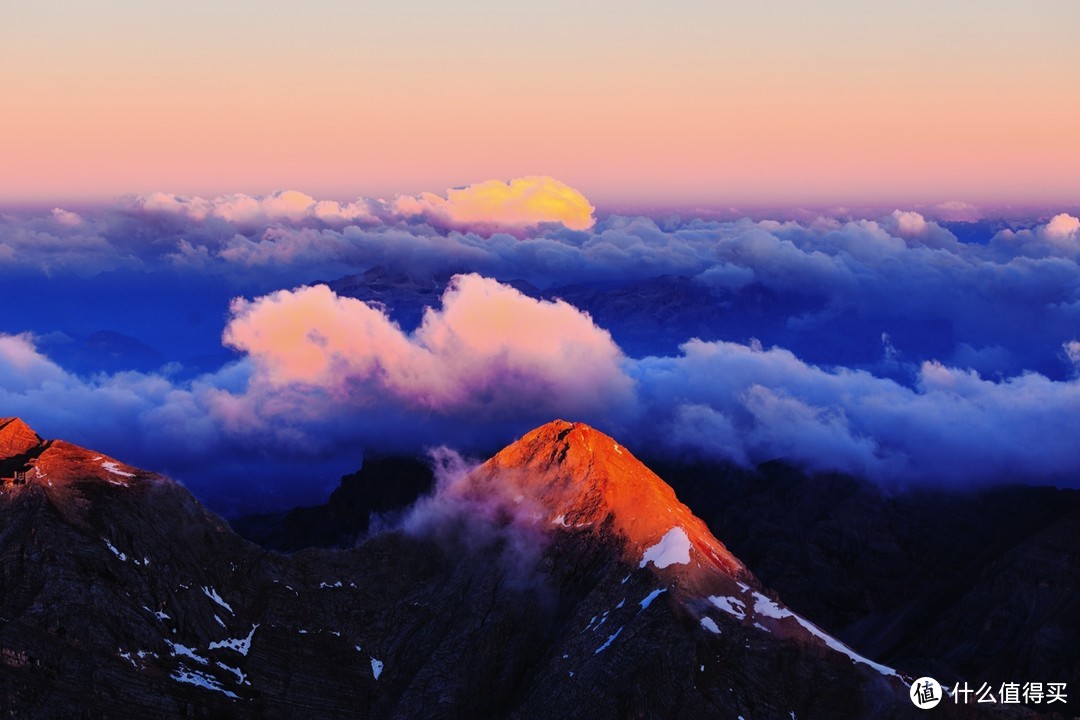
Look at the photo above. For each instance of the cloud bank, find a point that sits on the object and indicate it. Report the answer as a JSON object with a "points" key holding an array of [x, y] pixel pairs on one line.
{"points": [[886, 347], [321, 373]]}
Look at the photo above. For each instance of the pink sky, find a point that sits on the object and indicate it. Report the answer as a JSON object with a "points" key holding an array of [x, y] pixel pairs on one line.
{"points": [[689, 103]]}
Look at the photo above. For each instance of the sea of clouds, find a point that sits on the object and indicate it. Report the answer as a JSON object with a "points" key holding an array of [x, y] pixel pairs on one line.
{"points": [[307, 379]]}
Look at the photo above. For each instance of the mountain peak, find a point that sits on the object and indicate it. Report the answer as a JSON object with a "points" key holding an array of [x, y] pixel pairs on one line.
{"points": [[16, 437], [577, 478], [55, 463]]}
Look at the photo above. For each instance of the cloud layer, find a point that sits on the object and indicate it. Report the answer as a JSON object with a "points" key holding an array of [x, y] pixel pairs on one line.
{"points": [[887, 347], [321, 373]]}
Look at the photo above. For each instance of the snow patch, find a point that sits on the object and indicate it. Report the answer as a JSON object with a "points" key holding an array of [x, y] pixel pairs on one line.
{"points": [[673, 548], [376, 668], [179, 650], [730, 605], [213, 595], [194, 677], [241, 678], [323, 585], [709, 624], [768, 608], [240, 645], [160, 615], [115, 552], [650, 597], [607, 644], [114, 468]]}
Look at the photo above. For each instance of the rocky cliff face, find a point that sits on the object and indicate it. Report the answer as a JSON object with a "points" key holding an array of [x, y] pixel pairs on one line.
{"points": [[561, 579], [16, 438]]}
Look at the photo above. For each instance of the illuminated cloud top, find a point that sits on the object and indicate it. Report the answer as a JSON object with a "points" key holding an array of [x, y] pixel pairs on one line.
{"points": [[516, 205]]}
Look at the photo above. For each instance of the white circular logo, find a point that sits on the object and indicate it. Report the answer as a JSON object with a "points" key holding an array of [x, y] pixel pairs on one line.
{"points": [[925, 693]]}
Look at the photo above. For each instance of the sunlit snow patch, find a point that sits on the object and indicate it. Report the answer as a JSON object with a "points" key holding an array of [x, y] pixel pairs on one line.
{"points": [[730, 605], [376, 668], [114, 468], [709, 624], [673, 548], [768, 608]]}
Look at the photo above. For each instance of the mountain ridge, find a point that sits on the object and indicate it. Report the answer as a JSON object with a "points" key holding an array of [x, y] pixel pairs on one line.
{"points": [[123, 597]]}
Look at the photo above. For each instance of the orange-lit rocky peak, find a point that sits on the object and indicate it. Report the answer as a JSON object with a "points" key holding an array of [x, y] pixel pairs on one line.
{"points": [[578, 478], [63, 462], [16, 437], [56, 463]]}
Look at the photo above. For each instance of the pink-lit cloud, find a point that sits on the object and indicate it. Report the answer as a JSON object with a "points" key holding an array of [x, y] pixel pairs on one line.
{"points": [[1063, 229], [489, 350], [244, 210], [495, 205], [957, 210], [1058, 237]]}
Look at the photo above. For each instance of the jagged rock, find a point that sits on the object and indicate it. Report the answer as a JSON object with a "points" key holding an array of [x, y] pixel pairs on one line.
{"points": [[16, 438]]}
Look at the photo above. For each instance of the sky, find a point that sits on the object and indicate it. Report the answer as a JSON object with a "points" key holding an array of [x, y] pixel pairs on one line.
{"points": [[684, 103]]}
